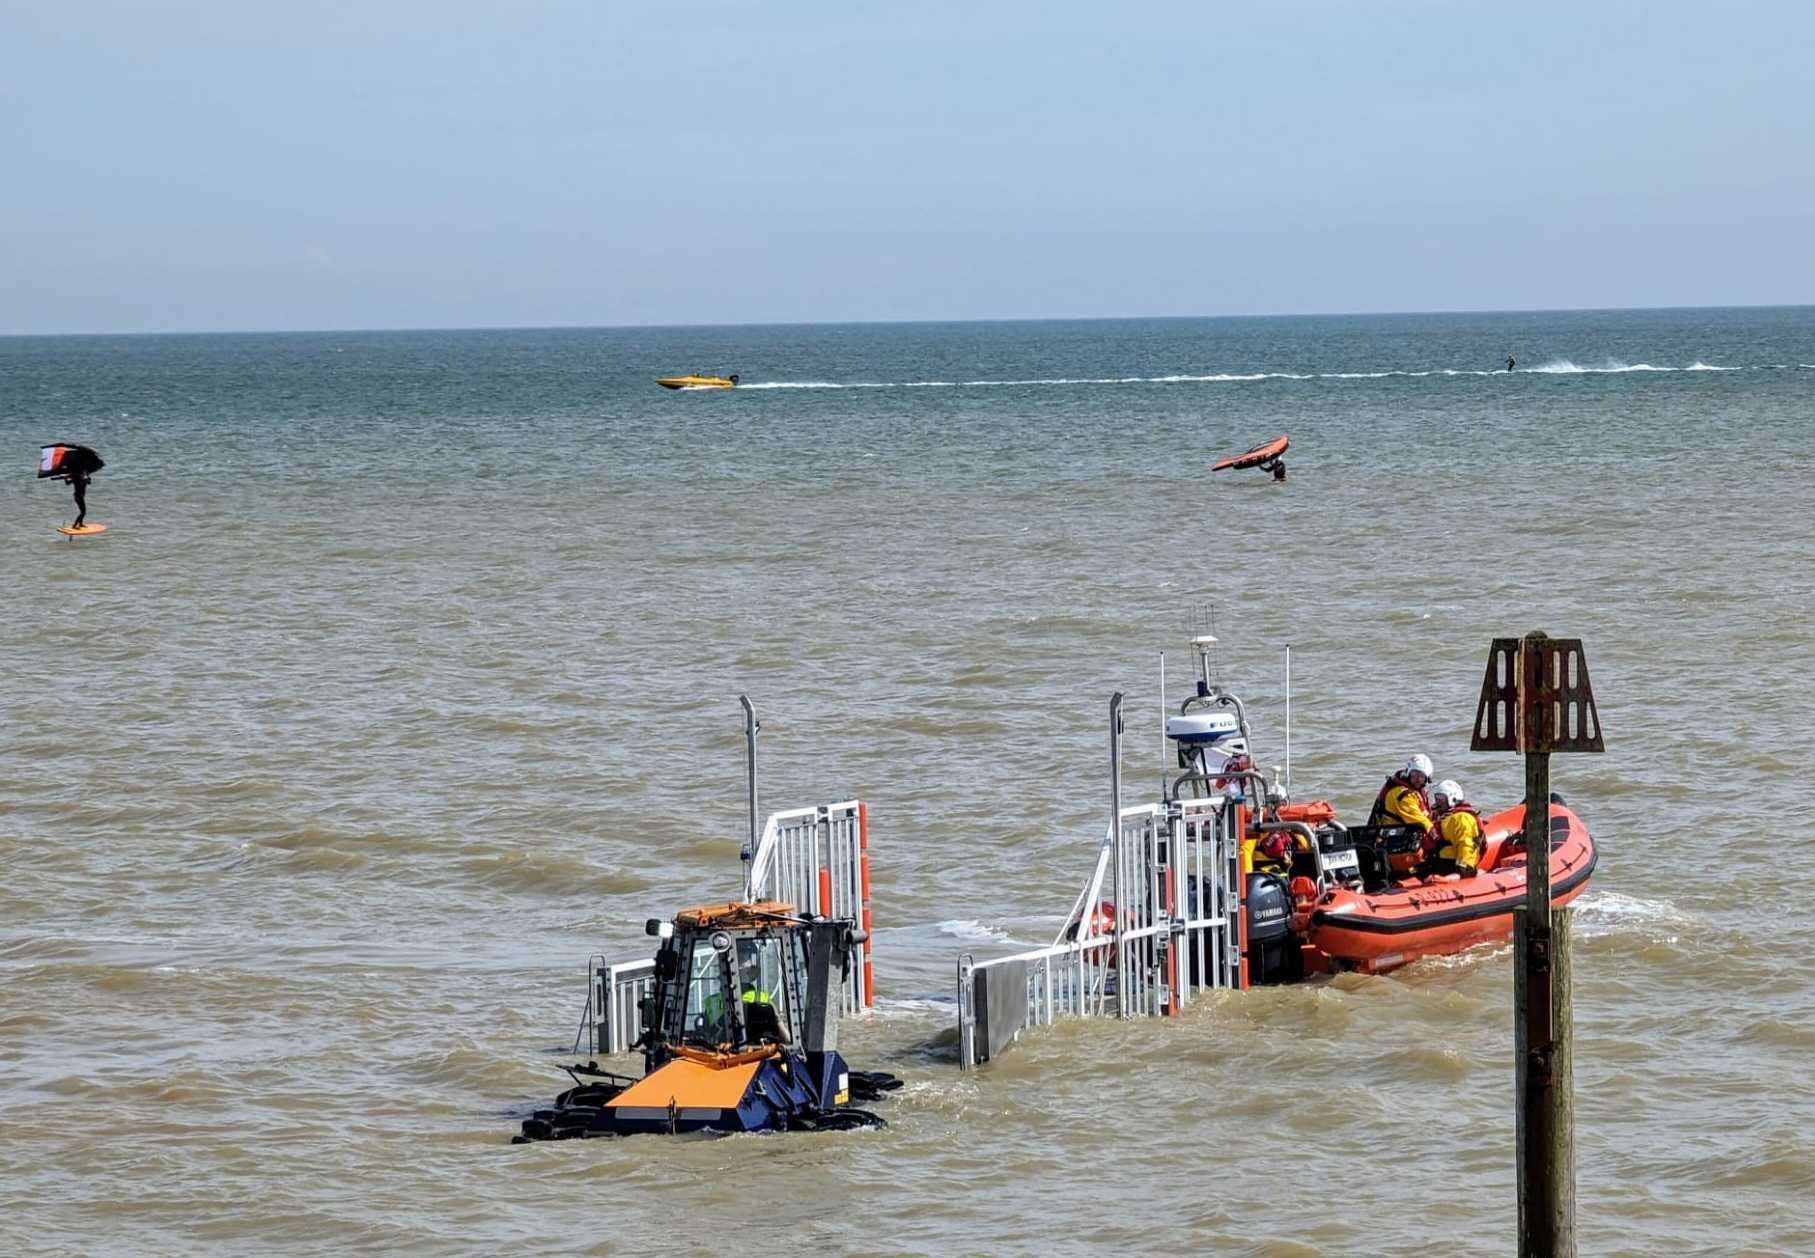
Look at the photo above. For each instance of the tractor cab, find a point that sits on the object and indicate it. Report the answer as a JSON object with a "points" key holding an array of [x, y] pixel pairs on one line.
{"points": [[740, 1033], [737, 1014], [728, 978]]}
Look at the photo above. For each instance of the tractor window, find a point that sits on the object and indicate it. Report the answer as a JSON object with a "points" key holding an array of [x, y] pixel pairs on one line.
{"points": [[760, 987], [708, 1017]]}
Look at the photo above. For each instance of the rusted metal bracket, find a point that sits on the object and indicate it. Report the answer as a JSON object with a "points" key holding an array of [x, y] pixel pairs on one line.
{"points": [[1495, 715], [1536, 697]]}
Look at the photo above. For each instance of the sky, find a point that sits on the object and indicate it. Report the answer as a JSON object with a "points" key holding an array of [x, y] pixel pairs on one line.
{"points": [[205, 166]]}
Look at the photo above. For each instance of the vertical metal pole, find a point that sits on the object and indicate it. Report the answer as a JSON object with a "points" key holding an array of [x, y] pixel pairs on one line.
{"points": [[1288, 718], [751, 726], [1241, 895], [1115, 864], [1544, 1140], [869, 944], [819, 868], [1162, 725], [966, 1022]]}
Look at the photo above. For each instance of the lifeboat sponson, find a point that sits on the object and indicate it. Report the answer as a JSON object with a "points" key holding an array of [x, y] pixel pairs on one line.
{"points": [[1423, 917]]}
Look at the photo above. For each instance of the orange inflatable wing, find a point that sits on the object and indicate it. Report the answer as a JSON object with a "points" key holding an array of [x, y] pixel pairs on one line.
{"points": [[1263, 453]]}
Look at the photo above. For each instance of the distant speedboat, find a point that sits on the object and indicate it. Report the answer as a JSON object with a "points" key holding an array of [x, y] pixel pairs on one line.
{"points": [[698, 382]]}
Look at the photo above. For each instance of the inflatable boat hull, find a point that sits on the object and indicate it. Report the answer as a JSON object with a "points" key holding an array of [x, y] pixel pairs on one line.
{"points": [[1423, 917]]}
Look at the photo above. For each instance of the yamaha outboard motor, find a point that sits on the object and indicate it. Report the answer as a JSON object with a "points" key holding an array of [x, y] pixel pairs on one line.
{"points": [[1273, 950]]}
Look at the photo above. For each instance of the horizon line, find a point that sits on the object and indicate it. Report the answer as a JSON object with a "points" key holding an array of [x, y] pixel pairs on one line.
{"points": [[834, 323]]}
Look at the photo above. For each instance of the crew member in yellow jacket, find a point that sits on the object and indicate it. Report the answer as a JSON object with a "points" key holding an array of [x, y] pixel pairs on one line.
{"points": [[1402, 801], [1271, 853], [1459, 842]]}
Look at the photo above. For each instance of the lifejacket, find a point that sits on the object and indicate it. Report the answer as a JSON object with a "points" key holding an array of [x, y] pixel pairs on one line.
{"points": [[1237, 763], [1447, 844], [1268, 853], [1382, 816]]}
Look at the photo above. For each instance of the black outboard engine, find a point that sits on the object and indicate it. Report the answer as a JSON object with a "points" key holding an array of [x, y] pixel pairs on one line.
{"points": [[1273, 950]]}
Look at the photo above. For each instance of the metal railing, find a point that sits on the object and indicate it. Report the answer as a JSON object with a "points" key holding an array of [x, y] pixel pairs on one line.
{"points": [[613, 1020], [816, 859], [1158, 920]]}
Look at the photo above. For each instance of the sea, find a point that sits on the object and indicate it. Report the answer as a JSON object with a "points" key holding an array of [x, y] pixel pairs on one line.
{"points": [[405, 680]]}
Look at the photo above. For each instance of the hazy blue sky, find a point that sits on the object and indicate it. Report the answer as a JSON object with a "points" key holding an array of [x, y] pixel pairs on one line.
{"points": [[401, 164]]}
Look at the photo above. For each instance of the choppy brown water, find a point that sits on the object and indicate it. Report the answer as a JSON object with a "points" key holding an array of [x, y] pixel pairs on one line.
{"points": [[315, 796]]}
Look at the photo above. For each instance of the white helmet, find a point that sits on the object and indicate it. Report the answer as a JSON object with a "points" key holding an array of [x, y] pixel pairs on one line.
{"points": [[1449, 791], [1421, 763]]}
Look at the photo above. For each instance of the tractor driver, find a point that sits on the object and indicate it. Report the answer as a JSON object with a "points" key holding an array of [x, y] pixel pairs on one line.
{"points": [[762, 1017]]}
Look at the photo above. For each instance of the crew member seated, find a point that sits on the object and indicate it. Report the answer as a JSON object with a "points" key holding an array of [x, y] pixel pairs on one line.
{"points": [[1403, 801], [1459, 842], [1271, 853]]}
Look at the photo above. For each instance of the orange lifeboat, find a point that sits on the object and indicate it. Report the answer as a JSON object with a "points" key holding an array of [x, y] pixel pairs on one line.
{"points": [[1421, 917]]}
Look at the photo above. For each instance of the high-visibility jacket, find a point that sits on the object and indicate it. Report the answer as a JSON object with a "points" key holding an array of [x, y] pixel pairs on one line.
{"points": [[1459, 837], [1401, 804], [1266, 854], [1270, 853]]}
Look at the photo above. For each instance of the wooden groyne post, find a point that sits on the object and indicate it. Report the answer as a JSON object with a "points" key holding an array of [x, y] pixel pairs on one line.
{"points": [[1536, 700]]}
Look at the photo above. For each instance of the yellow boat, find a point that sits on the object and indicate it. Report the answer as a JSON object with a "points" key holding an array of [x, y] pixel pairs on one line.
{"points": [[698, 382]]}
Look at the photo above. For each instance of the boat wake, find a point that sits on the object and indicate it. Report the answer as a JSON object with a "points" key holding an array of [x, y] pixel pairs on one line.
{"points": [[1556, 367], [1563, 367]]}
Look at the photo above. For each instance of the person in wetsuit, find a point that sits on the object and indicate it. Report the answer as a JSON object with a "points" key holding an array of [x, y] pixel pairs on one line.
{"points": [[78, 482], [1509, 362]]}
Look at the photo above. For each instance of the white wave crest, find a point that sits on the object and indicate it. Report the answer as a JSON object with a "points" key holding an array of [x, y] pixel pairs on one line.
{"points": [[913, 1006], [1607, 912], [971, 931], [1564, 367]]}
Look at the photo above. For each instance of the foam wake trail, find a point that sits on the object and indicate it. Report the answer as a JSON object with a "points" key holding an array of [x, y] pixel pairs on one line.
{"points": [[1556, 367], [1563, 367]]}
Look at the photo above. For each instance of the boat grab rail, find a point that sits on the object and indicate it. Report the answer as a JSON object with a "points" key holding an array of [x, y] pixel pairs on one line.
{"points": [[1299, 828], [1254, 775]]}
